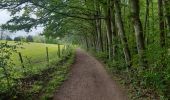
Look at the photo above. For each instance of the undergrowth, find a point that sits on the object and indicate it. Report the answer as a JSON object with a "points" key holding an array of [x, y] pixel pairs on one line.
{"points": [[152, 83], [41, 85]]}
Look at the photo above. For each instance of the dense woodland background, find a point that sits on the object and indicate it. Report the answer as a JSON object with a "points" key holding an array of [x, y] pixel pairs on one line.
{"points": [[131, 36]]}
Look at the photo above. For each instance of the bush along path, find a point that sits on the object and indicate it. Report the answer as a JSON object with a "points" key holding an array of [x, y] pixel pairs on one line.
{"points": [[89, 80], [42, 86]]}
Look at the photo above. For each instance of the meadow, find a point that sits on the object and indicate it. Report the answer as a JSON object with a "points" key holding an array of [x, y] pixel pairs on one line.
{"points": [[36, 73], [35, 53], [34, 56]]}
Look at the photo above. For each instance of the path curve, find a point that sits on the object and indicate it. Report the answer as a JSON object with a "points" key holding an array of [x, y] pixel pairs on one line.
{"points": [[88, 80]]}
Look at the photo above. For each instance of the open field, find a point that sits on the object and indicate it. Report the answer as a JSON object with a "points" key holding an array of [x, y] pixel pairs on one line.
{"points": [[34, 55], [36, 76], [34, 58], [36, 52]]}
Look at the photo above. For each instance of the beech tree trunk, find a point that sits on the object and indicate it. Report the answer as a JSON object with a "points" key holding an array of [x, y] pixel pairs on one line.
{"points": [[108, 21], [122, 32], [135, 10], [146, 23], [114, 33], [167, 9], [109, 33], [161, 23], [162, 30]]}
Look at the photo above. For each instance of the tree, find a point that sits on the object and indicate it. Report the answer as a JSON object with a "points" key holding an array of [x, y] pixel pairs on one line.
{"points": [[8, 38], [122, 32], [135, 10], [39, 39], [18, 38], [167, 11], [2, 34], [161, 23], [29, 38]]}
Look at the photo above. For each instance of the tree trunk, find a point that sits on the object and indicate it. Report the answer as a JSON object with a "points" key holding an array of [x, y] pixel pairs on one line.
{"points": [[135, 9], [146, 15], [114, 32], [146, 23], [122, 32], [87, 44], [108, 21], [98, 24], [167, 9], [162, 30], [109, 33], [161, 23]]}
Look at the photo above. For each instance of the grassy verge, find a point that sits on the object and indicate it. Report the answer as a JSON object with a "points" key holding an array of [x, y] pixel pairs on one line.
{"points": [[58, 77], [34, 57], [54, 77], [130, 80], [43, 83]]}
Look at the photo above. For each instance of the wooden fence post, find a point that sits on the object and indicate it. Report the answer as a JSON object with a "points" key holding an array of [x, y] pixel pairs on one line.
{"points": [[59, 52], [64, 49], [47, 55], [22, 62]]}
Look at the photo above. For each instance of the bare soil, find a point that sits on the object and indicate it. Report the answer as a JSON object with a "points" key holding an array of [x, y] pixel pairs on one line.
{"points": [[89, 80]]}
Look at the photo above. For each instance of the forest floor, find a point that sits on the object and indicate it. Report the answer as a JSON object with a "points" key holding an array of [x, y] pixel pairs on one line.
{"points": [[89, 80]]}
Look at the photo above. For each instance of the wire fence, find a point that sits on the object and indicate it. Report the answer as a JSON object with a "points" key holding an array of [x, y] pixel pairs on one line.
{"points": [[30, 66]]}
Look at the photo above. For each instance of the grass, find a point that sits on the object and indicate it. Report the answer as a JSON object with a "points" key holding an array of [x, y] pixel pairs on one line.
{"points": [[38, 78], [147, 85], [34, 56], [44, 89], [58, 77], [37, 52]]}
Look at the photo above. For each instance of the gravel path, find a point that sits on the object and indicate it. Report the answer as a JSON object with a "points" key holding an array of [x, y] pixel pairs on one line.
{"points": [[89, 81]]}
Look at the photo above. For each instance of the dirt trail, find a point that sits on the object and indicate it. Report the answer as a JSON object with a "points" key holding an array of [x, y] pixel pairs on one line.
{"points": [[89, 81]]}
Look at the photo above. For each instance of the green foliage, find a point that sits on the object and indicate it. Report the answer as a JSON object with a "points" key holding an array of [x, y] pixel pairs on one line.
{"points": [[39, 39], [58, 78], [6, 64], [59, 72], [142, 83], [102, 55], [29, 38], [19, 38], [84, 23], [34, 57]]}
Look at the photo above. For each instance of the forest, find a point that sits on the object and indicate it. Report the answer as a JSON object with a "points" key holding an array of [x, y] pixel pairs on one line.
{"points": [[131, 37]]}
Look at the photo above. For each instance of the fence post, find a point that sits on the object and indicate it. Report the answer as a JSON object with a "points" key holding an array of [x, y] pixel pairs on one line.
{"points": [[65, 47], [63, 50], [47, 55], [22, 62], [66, 51], [59, 54]]}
